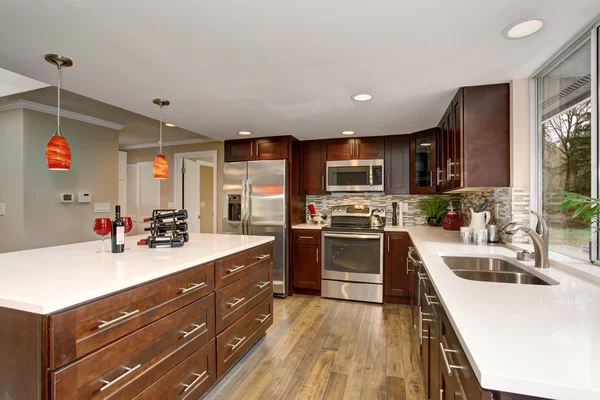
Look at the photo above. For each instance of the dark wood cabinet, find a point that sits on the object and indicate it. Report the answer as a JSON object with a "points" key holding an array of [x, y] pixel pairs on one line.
{"points": [[423, 161], [313, 166], [473, 148], [306, 264], [369, 148], [396, 266], [397, 164], [272, 148]]}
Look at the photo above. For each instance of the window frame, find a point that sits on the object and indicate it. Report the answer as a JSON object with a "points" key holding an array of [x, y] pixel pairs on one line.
{"points": [[592, 33]]}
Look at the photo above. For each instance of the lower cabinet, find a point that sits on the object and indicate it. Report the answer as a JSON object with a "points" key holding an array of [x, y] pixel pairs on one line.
{"points": [[306, 260], [396, 268]]}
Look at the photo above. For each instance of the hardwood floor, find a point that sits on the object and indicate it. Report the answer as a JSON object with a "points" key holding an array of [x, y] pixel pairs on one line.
{"points": [[329, 349]]}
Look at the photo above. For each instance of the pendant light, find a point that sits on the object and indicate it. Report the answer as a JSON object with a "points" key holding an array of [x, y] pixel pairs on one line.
{"points": [[160, 168], [58, 153]]}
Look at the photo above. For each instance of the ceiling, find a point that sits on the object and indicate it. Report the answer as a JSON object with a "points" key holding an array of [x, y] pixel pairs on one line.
{"points": [[138, 130], [11, 83], [284, 67]]}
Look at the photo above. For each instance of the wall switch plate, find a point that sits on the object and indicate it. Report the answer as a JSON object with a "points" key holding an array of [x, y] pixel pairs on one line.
{"points": [[2, 209], [102, 207], [171, 204]]}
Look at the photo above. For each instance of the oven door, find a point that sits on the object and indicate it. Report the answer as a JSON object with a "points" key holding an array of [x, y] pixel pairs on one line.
{"points": [[353, 257]]}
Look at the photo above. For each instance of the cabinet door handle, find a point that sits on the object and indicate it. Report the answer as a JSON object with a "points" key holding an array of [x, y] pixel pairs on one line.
{"points": [[317, 255], [234, 346], [305, 237], [236, 302], [430, 178], [438, 172], [262, 257], [257, 149], [193, 287], [322, 182], [196, 327], [235, 268], [422, 276], [449, 366], [388, 244], [429, 303], [413, 260], [128, 371], [441, 394], [251, 150], [265, 317], [263, 285], [191, 385], [125, 315]]}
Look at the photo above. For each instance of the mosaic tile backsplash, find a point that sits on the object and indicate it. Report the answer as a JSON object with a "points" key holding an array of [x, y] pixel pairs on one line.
{"points": [[505, 205]]}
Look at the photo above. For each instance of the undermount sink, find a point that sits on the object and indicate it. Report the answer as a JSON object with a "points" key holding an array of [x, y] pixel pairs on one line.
{"points": [[487, 269]]}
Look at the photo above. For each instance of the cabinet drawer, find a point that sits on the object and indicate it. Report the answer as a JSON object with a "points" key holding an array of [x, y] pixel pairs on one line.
{"points": [[233, 343], [236, 266], [81, 330], [126, 367], [237, 299], [305, 236], [189, 380]]}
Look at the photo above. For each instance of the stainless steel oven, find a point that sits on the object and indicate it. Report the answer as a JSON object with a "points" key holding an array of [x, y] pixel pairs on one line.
{"points": [[355, 176]]}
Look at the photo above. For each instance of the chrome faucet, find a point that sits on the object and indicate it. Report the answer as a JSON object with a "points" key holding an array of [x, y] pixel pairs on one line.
{"points": [[539, 238]]}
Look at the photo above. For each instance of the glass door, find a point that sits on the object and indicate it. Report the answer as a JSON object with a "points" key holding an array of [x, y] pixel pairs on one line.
{"points": [[354, 257]]}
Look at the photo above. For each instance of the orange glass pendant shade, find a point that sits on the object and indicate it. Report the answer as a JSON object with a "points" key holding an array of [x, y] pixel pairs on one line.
{"points": [[58, 153], [160, 168]]}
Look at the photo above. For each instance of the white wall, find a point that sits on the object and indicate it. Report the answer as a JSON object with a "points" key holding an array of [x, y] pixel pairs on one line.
{"points": [[520, 133]]}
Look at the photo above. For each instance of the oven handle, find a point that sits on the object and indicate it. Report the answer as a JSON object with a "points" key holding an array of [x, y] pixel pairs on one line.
{"points": [[351, 236]]}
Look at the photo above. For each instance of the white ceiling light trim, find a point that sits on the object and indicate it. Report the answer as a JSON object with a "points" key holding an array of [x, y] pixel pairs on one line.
{"points": [[165, 143], [362, 97], [348, 133], [170, 125], [29, 105], [523, 29], [245, 133]]}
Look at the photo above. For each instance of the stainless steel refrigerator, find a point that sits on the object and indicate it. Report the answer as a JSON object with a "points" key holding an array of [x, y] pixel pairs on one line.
{"points": [[255, 203]]}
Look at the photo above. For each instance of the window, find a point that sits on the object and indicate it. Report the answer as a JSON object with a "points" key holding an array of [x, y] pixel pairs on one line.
{"points": [[566, 151]]}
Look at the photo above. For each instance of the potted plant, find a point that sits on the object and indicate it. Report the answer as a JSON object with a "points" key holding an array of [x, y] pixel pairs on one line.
{"points": [[587, 208], [433, 208]]}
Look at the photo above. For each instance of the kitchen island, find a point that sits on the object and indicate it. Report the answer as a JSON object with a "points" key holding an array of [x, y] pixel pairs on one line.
{"points": [[147, 323]]}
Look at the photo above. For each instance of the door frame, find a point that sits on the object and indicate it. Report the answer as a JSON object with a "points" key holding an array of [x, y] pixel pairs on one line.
{"points": [[178, 184]]}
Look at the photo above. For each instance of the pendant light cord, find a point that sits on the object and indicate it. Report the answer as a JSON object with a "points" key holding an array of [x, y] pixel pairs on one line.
{"points": [[58, 111], [161, 126]]}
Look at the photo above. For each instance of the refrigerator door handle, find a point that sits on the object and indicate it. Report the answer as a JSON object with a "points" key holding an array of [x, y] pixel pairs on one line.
{"points": [[248, 207], [244, 208]]}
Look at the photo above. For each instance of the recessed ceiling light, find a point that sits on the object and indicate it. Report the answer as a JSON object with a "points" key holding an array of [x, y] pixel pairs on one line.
{"points": [[425, 144], [522, 29], [245, 133], [362, 97], [348, 133], [170, 125]]}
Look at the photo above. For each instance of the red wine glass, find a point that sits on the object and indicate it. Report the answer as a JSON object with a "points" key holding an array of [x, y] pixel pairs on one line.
{"points": [[128, 224], [102, 227]]}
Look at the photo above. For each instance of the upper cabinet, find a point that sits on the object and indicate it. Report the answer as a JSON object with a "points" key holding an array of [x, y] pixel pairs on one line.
{"points": [[473, 146], [313, 160], [355, 149], [396, 171], [423, 161], [273, 148]]}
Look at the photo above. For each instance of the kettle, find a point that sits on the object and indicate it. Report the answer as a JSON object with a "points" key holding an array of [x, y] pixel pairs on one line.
{"points": [[452, 222], [375, 221]]}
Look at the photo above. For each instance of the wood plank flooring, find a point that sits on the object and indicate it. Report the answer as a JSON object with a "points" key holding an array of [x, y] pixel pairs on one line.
{"points": [[329, 349]]}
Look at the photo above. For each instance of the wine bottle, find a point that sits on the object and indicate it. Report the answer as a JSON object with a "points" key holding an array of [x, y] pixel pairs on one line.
{"points": [[117, 238], [162, 228], [168, 216]]}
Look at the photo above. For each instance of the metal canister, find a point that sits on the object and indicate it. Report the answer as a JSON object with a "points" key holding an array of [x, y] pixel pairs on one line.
{"points": [[493, 233]]}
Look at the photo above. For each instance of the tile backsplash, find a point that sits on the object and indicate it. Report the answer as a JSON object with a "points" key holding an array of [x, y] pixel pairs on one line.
{"points": [[505, 205]]}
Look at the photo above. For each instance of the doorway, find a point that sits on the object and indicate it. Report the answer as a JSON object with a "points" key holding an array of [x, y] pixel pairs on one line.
{"points": [[143, 194], [196, 189]]}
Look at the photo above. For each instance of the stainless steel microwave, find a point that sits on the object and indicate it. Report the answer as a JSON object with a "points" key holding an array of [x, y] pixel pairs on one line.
{"points": [[355, 176]]}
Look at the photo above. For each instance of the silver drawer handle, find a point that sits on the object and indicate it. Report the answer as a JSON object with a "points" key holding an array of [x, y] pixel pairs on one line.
{"points": [[305, 237], [191, 385], [263, 284], [121, 318], [193, 287], [422, 276], [265, 317], [430, 302], [236, 268], [441, 394], [448, 365], [236, 302], [128, 371], [262, 257], [234, 346], [196, 327]]}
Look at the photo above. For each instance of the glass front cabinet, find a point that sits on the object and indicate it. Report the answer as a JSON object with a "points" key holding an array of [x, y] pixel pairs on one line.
{"points": [[423, 161]]}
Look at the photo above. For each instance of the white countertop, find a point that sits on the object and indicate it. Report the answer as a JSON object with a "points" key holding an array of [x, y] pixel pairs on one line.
{"points": [[309, 225], [537, 340], [52, 278]]}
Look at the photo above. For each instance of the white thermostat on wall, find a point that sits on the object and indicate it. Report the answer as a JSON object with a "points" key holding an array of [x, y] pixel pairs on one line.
{"points": [[84, 197], [65, 197]]}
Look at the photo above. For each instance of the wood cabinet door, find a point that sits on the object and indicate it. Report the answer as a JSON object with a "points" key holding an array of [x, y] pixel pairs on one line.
{"points": [[369, 148], [423, 161], [275, 148], [340, 149], [442, 154], [306, 267], [397, 164], [313, 163], [239, 150], [457, 141], [395, 274]]}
